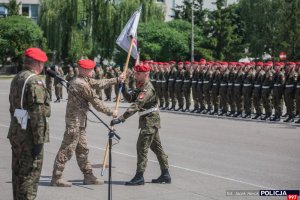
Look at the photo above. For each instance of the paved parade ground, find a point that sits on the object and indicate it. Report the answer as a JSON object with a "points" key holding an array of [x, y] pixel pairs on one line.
{"points": [[208, 157]]}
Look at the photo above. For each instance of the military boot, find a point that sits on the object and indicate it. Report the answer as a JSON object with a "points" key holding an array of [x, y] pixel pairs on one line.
{"points": [[289, 119], [163, 178], [298, 121], [59, 182], [256, 116], [178, 109], [90, 179], [138, 179]]}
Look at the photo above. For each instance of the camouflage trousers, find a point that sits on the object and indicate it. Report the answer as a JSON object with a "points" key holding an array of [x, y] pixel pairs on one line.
{"points": [[257, 101], [207, 97], [49, 88], [247, 94], [230, 99], [26, 170], [238, 98], [277, 102], [107, 92], [298, 101], [195, 96], [179, 95], [187, 96], [58, 92], [223, 99], [200, 96], [74, 140], [149, 138], [160, 95], [172, 95], [165, 94], [267, 101], [215, 98], [290, 103], [99, 93]]}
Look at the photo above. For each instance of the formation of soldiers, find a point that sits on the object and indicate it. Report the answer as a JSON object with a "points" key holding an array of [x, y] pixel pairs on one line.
{"points": [[232, 89]]}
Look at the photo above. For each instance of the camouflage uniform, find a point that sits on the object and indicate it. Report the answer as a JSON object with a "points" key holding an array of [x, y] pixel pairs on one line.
{"points": [[131, 82], [99, 76], [237, 91], [247, 92], [26, 167], [279, 80], [230, 93], [165, 91], [289, 93], [200, 91], [58, 88], [159, 89], [215, 91], [49, 85], [186, 88], [108, 90], [178, 88], [195, 90], [81, 95], [267, 86], [257, 101], [207, 85], [223, 92], [118, 72], [152, 76], [171, 87], [142, 99]]}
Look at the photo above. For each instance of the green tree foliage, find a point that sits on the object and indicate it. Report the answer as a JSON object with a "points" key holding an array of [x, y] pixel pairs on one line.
{"points": [[17, 33], [13, 7]]}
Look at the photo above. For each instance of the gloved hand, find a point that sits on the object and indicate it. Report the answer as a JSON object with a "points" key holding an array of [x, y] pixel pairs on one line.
{"points": [[115, 121], [37, 148]]}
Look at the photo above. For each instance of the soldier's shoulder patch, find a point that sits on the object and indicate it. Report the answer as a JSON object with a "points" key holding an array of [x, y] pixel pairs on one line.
{"points": [[142, 95]]}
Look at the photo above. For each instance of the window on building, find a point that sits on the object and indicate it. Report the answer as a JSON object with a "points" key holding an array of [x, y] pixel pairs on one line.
{"points": [[25, 10], [2, 11], [34, 11], [160, 1]]}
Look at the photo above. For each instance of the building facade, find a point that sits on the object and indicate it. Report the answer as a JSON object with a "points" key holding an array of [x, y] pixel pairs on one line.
{"points": [[28, 8]]}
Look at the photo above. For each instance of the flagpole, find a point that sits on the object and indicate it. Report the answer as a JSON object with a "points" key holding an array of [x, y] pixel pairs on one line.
{"points": [[117, 104]]}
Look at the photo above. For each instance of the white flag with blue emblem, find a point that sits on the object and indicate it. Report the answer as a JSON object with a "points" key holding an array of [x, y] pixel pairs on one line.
{"points": [[130, 31]]}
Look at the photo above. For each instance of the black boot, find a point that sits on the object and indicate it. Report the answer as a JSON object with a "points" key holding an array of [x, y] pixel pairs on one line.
{"points": [[178, 109], [289, 119], [172, 108], [285, 115], [298, 121], [265, 117], [275, 118], [138, 179], [256, 116], [57, 101], [195, 110], [163, 178]]}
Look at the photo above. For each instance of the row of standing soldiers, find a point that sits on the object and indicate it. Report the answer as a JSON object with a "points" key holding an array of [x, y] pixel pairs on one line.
{"points": [[110, 72], [232, 89]]}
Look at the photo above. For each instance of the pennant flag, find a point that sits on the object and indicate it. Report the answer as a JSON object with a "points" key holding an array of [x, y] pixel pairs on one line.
{"points": [[130, 31]]}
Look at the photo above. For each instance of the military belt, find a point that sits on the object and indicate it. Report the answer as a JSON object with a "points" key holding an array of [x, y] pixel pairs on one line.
{"points": [[247, 85], [186, 81], [178, 80], [194, 81], [223, 84], [257, 85], [298, 86], [277, 85], [148, 111], [153, 80], [229, 84], [265, 87], [171, 79], [237, 84], [163, 81], [158, 81], [288, 86], [215, 84], [205, 81]]}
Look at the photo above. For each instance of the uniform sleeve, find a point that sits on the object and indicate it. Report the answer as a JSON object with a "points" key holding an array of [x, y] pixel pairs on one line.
{"points": [[140, 101], [89, 94], [102, 83], [38, 110]]}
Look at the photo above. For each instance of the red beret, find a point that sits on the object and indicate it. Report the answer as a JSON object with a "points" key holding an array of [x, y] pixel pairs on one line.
{"points": [[172, 62], [268, 64], [290, 63], [36, 54], [142, 68], [260, 64], [86, 64], [202, 61], [180, 63], [187, 62]]}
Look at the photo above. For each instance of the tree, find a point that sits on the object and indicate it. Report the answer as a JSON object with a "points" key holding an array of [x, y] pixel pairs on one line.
{"points": [[13, 7], [17, 33]]}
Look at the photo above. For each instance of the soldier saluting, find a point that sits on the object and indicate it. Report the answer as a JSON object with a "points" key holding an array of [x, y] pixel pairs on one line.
{"points": [[144, 100]]}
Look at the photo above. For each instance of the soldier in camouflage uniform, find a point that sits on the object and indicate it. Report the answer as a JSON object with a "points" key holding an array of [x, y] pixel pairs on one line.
{"points": [[117, 73], [224, 73], [70, 76], [164, 84], [259, 76], [230, 94], [144, 101], [27, 142], [216, 79], [248, 82], [49, 84], [187, 84], [237, 90], [289, 91], [57, 85], [279, 81], [61, 74], [171, 84], [195, 78], [178, 86], [108, 75], [207, 85], [159, 80], [99, 76], [81, 95], [267, 86], [200, 85], [153, 74]]}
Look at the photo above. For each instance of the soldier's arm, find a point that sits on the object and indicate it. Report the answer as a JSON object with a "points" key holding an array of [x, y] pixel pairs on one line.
{"points": [[38, 110], [140, 101], [89, 95], [102, 83], [129, 96]]}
